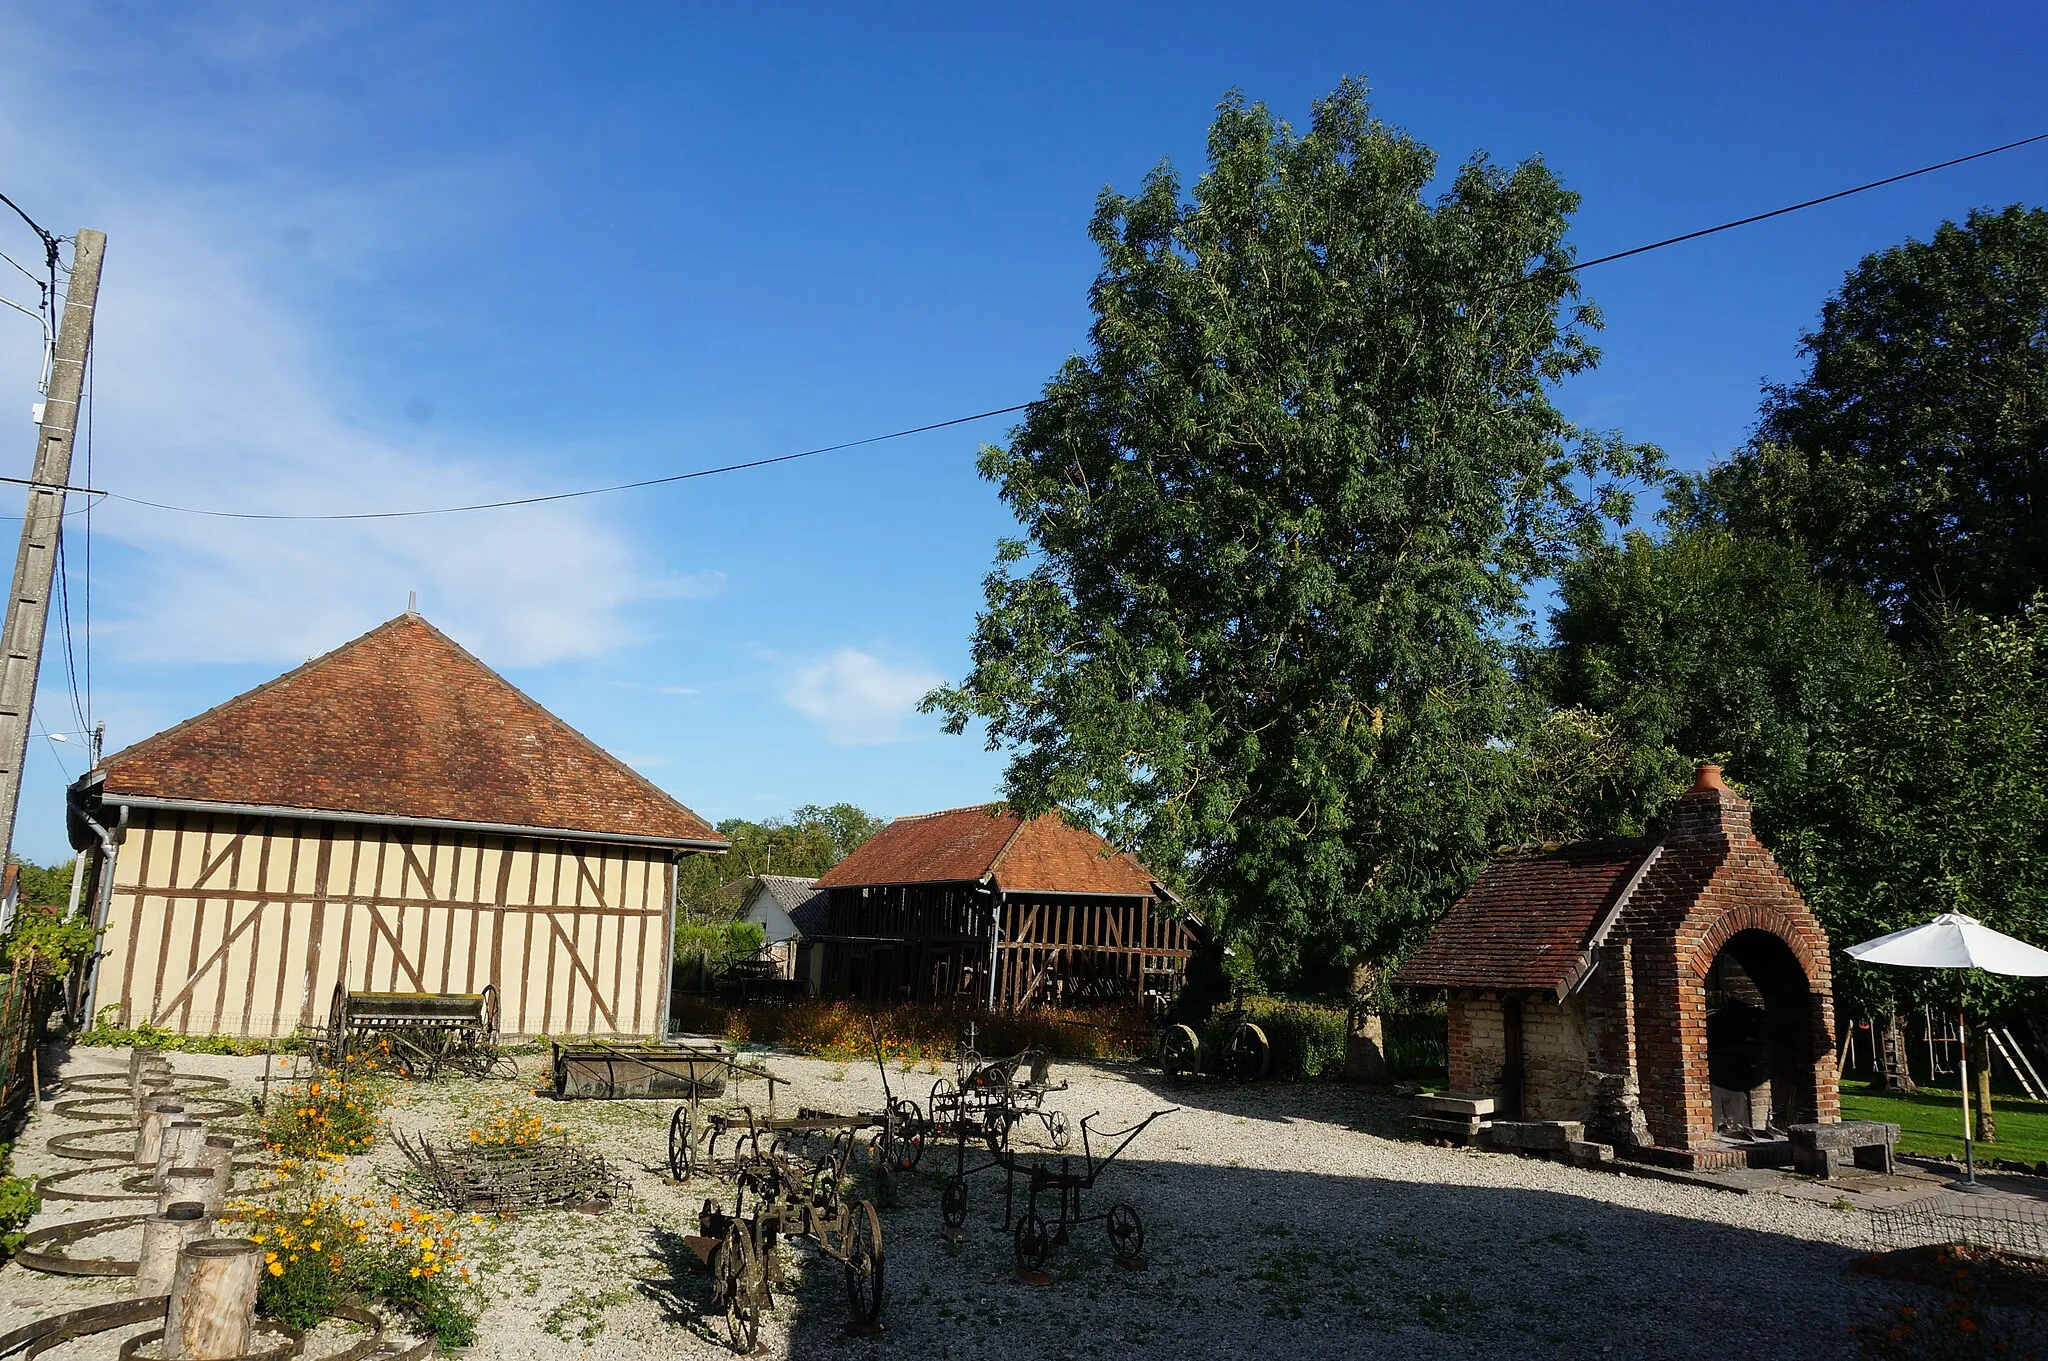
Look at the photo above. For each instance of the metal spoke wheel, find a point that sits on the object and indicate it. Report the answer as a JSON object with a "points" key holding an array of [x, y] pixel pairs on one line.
{"points": [[1031, 1242], [906, 1134], [682, 1145], [825, 1191], [1056, 1126], [1250, 1055], [337, 1025], [1126, 1231], [953, 1204], [743, 1287], [864, 1265], [1180, 1052]]}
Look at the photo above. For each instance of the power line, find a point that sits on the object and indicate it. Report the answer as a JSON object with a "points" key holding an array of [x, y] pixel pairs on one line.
{"points": [[1789, 208], [571, 495], [1010, 410]]}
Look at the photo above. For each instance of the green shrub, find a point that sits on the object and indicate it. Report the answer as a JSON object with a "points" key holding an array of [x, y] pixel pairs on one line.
{"points": [[106, 1033], [918, 1033], [720, 942], [18, 1205], [1307, 1038]]}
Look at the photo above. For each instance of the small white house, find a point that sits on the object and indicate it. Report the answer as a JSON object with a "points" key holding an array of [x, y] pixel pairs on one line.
{"points": [[790, 911]]}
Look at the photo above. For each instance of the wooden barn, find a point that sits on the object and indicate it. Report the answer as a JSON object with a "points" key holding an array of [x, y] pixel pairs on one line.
{"points": [[393, 816], [981, 904]]}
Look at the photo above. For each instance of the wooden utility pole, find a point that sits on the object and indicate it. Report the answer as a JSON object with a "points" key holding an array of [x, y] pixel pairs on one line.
{"points": [[35, 566]]}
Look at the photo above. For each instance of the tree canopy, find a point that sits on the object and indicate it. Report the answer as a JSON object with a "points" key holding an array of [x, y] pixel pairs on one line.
{"points": [[808, 842], [1278, 522], [1912, 460]]}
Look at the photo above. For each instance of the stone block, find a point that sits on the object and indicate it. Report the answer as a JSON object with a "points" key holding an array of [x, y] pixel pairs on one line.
{"points": [[1822, 1150]]}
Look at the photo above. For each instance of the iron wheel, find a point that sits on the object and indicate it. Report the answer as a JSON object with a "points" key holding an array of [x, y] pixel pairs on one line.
{"points": [[682, 1145], [1031, 1242], [1180, 1052], [864, 1265], [953, 1204], [1250, 1054], [1126, 1230], [743, 1285]]}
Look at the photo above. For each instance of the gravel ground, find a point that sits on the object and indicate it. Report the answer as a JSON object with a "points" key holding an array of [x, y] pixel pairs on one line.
{"points": [[1281, 1219]]}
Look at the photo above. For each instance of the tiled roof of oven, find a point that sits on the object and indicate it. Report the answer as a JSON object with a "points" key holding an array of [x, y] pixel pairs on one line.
{"points": [[401, 723], [962, 845], [1527, 918]]}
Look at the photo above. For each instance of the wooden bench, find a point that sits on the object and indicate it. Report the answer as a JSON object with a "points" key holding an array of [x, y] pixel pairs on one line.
{"points": [[1819, 1150]]}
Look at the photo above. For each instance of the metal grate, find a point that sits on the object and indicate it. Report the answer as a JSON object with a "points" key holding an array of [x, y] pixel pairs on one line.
{"points": [[1984, 1221]]}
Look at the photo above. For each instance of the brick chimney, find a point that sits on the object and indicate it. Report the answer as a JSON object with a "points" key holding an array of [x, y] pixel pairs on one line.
{"points": [[1710, 810]]}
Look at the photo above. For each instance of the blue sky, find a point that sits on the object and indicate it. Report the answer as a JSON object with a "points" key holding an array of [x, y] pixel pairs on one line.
{"points": [[366, 256]]}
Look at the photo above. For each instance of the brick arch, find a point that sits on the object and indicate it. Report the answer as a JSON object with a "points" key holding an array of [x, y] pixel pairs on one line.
{"points": [[1756, 917]]}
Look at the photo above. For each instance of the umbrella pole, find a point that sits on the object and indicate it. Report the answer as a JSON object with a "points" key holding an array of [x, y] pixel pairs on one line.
{"points": [[1963, 1074]]}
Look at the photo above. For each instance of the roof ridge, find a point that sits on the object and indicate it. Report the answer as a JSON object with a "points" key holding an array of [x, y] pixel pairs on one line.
{"points": [[992, 807]]}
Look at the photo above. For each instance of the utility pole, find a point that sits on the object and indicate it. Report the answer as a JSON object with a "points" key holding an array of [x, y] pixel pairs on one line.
{"points": [[35, 566]]}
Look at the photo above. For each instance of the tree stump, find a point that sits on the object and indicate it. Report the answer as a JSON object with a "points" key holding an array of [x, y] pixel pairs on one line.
{"points": [[184, 1185], [149, 1134], [164, 1236], [217, 1156], [179, 1147], [213, 1300]]}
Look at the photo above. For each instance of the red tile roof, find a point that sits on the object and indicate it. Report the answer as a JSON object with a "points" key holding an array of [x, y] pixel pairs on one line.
{"points": [[961, 845], [1526, 919], [401, 723]]}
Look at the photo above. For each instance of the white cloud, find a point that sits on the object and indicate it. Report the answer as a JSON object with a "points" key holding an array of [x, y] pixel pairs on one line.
{"points": [[859, 699], [213, 389]]}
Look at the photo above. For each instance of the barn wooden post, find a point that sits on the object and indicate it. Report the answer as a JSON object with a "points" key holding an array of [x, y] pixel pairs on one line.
{"points": [[164, 1236], [213, 1300]]}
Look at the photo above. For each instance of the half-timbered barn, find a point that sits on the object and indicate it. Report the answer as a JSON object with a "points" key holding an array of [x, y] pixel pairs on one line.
{"points": [[392, 816], [981, 904]]}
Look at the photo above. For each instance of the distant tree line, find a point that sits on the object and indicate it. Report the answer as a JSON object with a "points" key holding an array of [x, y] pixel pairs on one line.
{"points": [[808, 842]]}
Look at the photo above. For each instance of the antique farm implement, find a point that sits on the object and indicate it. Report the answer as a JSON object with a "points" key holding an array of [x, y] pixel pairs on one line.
{"points": [[690, 1068], [774, 1197], [418, 1033], [1033, 1237], [553, 1174], [988, 1098], [1246, 1055]]}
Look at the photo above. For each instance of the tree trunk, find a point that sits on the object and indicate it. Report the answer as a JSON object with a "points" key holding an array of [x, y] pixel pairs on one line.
{"points": [[1895, 1073], [1987, 1123], [1365, 1039]]}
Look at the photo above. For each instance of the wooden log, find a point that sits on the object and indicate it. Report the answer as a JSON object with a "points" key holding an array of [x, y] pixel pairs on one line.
{"points": [[164, 1236], [213, 1300], [184, 1185], [149, 1133], [217, 1156], [179, 1147]]}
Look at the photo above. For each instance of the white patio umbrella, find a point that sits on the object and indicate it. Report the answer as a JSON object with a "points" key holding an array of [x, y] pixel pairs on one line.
{"points": [[1954, 941]]}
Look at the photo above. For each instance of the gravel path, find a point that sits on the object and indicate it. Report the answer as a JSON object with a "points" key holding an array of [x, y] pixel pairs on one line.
{"points": [[1285, 1220]]}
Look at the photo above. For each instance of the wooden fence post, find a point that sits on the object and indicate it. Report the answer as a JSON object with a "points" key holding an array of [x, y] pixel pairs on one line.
{"points": [[182, 1140], [218, 1158], [213, 1300], [164, 1236]]}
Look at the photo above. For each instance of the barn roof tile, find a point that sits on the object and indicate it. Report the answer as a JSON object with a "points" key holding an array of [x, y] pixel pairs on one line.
{"points": [[963, 845]]}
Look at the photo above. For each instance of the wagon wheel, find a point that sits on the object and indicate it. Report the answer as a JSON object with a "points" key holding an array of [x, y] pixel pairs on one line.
{"points": [[561, 1070], [1030, 1242], [945, 1107], [743, 1286], [906, 1134], [1180, 1052], [1249, 1053], [1057, 1127], [491, 1015], [682, 1145], [337, 1025], [864, 1265], [1126, 1231], [953, 1204]]}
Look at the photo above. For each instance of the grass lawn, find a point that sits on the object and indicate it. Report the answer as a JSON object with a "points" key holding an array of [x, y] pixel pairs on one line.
{"points": [[1931, 1122]]}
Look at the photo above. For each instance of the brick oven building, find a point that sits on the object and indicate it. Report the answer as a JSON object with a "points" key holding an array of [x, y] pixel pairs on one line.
{"points": [[1673, 993]]}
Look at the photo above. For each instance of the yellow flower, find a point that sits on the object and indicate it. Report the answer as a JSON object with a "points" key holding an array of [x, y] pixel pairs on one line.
{"points": [[276, 1270], [415, 1272]]}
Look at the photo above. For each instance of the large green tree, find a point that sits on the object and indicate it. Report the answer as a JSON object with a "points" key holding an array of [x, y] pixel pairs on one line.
{"points": [[1278, 522], [1704, 647], [1912, 460]]}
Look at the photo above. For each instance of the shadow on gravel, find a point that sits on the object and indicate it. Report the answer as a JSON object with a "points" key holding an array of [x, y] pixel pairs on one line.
{"points": [[1370, 1110], [1246, 1261]]}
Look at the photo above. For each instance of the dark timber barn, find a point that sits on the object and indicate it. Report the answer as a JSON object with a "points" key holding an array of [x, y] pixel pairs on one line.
{"points": [[983, 905]]}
